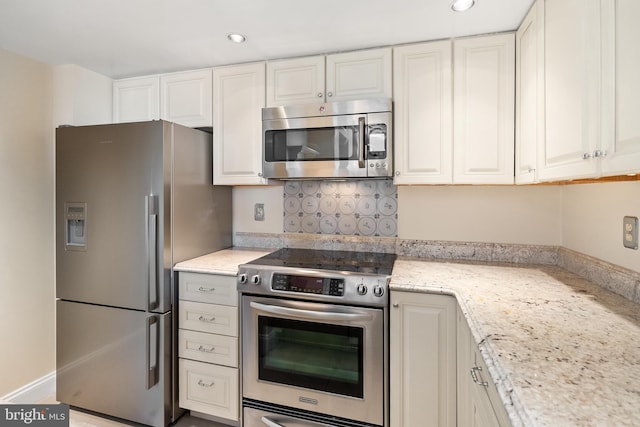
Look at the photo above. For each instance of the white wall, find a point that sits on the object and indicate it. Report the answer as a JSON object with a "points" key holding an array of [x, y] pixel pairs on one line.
{"points": [[27, 319], [244, 199], [509, 214], [522, 215], [592, 220], [81, 96]]}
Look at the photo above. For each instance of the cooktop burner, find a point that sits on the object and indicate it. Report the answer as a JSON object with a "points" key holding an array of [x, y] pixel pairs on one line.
{"points": [[351, 261]]}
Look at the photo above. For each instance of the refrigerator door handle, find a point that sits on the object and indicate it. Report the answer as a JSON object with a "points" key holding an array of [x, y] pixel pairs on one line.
{"points": [[153, 350], [151, 203]]}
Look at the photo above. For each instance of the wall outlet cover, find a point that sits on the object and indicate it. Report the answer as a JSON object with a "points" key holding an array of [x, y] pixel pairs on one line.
{"points": [[630, 232], [258, 212]]}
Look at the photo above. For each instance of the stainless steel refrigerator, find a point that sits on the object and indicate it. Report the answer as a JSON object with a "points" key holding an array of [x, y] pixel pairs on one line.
{"points": [[132, 200]]}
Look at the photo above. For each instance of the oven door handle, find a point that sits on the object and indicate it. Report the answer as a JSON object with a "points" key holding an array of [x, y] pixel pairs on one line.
{"points": [[271, 423], [309, 314]]}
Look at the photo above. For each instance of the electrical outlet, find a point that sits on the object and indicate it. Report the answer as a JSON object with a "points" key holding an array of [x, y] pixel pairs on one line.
{"points": [[630, 232], [258, 212]]}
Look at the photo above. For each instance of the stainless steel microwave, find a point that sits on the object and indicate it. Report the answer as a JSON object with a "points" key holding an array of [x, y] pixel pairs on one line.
{"points": [[339, 140]]}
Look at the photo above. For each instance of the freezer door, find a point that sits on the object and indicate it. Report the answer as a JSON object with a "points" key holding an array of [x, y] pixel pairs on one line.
{"points": [[110, 216], [114, 361]]}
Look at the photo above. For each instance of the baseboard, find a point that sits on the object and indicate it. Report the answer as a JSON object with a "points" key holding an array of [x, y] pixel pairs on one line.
{"points": [[33, 392]]}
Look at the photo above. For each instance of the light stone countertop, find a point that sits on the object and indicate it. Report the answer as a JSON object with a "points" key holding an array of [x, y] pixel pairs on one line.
{"points": [[225, 261], [561, 350]]}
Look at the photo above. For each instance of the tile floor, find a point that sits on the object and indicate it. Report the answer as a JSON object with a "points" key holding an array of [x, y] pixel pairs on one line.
{"points": [[83, 419]]}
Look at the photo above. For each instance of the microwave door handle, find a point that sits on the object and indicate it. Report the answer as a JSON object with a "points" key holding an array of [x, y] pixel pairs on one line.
{"points": [[361, 141], [309, 314]]}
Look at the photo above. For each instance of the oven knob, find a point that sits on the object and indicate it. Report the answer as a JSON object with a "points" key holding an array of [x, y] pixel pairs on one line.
{"points": [[255, 279], [378, 291], [362, 289], [242, 278]]}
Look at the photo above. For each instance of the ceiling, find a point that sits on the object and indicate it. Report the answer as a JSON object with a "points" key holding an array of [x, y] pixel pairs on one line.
{"points": [[124, 38]]}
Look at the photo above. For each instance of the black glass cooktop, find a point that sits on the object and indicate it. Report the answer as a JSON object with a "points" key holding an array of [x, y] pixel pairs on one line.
{"points": [[351, 261]]}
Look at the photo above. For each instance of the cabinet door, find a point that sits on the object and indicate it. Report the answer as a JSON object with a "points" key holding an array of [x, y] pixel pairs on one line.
{"points": [[478, 402], [136, 100], [422, 113], [238, 93], [529, 94], [295, 81], [359, 75], [483, 133], [186, 98], [423, 360], [210, 389], [571, 63], [621, 98]]}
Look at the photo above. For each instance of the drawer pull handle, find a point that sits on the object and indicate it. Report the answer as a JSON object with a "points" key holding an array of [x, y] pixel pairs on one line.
{"points": [[207, 319], [206, 349], [203, 289], [474, 376], [203, 384]]}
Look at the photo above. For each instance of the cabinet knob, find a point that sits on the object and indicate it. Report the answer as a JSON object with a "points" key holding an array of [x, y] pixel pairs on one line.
{"points": [[586, 156], [319, 94], [329, 94], [397, 173], [599, 153]]}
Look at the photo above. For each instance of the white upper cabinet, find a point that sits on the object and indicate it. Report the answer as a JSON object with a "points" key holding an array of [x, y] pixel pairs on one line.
{"points": [[359, 75], [483, 103], [239, 96], [186, 98], [295, 81], [136, 99], [183, 98], [423, 113], [529, 93], [316, 79], [621, 88], [572, 90]]}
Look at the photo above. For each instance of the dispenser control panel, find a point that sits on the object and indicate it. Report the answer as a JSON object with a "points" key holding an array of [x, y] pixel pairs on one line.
{"points": [[75, 218]]}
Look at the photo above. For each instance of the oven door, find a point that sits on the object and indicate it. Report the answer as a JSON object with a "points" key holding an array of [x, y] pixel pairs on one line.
{"points": [[327, 146], [317, 357]]}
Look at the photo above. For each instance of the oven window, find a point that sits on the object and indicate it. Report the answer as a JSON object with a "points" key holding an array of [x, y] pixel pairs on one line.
{"points": [[330, 143], [311, 355]]}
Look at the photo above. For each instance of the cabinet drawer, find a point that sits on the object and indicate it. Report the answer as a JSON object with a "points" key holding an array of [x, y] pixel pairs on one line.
{"points": [[210, 389], [213, 288], [212, 318], [205, 347]]}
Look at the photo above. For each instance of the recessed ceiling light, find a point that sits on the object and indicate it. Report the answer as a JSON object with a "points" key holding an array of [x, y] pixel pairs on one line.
{"points": [[237, 37], [462, 5]]}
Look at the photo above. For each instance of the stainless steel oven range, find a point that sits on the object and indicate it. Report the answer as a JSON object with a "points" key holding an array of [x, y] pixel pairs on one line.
{"points": [[315, 338]]}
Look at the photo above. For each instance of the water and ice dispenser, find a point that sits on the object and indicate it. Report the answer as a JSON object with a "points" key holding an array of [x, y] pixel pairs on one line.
{"points": [[75, 219]]}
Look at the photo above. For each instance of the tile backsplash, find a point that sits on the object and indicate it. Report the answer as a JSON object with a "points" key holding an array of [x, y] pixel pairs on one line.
{"points": [[360, 208]]}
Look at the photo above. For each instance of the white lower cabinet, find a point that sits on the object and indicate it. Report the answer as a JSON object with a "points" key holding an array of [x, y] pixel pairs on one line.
{"points": [[479, 404], [209, 389], [208, 345], [423, 360]]}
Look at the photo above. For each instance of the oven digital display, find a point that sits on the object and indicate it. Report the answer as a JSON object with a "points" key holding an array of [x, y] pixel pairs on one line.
{"points": [[307, 284]]}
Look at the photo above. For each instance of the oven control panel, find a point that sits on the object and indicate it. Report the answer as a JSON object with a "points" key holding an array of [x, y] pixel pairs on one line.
{"points": [[314, 285], [308, 284]]}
